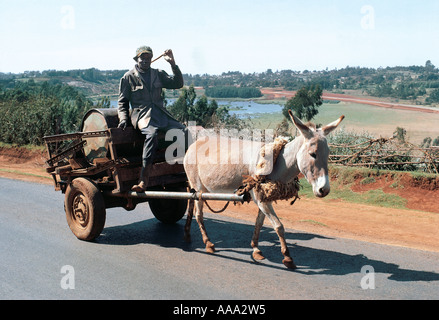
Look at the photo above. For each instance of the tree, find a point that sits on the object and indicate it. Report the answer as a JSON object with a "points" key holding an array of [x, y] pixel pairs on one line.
{"points": [[205, 113], [305, 103], [104, 102], [202, 111], [283, 128], [429, 66], [180, 108], [428, 142], [434, 97], [400, 134], [188, 108]]}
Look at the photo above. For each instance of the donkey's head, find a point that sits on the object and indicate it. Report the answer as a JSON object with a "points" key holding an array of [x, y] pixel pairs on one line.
{"points": [[312, 157]]}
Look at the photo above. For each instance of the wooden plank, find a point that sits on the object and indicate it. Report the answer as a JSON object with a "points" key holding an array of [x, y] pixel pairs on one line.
{"points": [[164, 168], [127, 136]]}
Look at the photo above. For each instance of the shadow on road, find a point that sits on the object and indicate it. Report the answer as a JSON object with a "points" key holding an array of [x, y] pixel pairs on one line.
{"points": [[232, 241]]}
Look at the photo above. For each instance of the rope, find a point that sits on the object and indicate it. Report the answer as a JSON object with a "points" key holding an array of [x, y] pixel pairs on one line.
{"points": [[219, 211], [210, 208]]}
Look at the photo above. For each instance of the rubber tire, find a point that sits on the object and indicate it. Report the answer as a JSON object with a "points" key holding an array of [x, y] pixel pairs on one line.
{"points": [[168, 211], [83, 196]]}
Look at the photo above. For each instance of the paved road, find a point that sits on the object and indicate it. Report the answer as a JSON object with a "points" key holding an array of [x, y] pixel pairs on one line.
{"points": [[137, 257]]}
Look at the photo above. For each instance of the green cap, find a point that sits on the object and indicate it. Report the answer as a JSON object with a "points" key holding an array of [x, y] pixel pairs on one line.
{"points": [[142, 49]]}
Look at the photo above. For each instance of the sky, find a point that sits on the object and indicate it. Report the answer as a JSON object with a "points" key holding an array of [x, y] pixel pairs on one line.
{"points": [[218, 36]]}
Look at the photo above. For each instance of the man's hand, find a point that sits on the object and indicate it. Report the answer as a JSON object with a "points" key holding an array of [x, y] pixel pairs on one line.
{"points": [[169, 56], [122, 124]]}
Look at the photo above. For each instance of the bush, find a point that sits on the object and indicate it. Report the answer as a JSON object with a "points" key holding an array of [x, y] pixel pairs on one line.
{"points": [[350, 148], [434, 97], [30, 111]]}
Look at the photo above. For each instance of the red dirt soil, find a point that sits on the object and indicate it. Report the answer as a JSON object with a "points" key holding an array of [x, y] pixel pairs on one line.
{"points": [[415, 227]]}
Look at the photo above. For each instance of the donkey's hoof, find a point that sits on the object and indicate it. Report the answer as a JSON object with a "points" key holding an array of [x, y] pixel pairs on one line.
{"points": [[210, 247], [288, 262], [257, 255]]}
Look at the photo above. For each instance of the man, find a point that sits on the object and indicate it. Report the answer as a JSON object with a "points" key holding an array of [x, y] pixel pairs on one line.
{"points": [[142, 88]]}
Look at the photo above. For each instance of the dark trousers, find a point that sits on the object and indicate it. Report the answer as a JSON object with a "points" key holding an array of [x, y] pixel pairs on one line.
{"points": [[151, 140]]}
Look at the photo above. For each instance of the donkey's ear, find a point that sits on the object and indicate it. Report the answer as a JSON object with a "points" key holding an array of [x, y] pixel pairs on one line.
{"points": [[330, 127], [303, 128]]}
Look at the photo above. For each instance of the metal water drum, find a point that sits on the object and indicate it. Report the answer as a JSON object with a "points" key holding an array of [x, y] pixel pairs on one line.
{"points": [[98, 120]]}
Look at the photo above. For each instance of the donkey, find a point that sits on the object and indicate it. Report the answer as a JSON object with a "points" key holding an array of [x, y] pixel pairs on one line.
{"points": [[308, 154]]}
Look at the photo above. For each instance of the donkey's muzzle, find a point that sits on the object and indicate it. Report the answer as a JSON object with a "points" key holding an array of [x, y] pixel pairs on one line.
{"points": [[321, 187]]}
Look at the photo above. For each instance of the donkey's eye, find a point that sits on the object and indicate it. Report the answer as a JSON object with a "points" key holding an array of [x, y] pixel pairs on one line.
{"points": [[313, 154]]}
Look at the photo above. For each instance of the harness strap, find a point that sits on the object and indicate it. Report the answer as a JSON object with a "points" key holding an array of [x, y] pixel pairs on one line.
{"points": [[219, 211], [210, 208]]}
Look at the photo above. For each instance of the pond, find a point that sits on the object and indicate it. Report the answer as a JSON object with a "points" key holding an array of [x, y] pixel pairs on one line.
{"points": [[240, 108]]}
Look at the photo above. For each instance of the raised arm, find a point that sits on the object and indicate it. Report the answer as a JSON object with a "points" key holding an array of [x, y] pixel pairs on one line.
{"points": [[175, 81]]}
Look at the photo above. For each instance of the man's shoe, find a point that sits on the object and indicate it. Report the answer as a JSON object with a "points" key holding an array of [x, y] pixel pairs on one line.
{"points": [[141, 187], [144, 178]]}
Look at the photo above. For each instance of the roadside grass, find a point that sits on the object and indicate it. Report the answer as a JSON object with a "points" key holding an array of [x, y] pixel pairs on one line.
{"points": [[18, 172], [29, 147], [313, 222], [342, 179], [376, 197]]}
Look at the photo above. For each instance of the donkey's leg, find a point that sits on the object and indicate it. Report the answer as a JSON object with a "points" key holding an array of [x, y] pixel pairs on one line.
{"points": [[268, 210], [257, 254], [210, 248], [187, 226]]}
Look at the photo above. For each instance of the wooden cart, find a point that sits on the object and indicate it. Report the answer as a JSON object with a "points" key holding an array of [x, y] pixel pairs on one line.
{"points": [[97, 167]]}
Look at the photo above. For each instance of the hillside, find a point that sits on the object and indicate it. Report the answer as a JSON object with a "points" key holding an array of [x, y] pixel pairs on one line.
{"points": [[401, 84], [93, 83]]}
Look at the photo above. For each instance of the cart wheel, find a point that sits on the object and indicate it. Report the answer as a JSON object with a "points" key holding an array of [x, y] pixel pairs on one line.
{"points": [[85, 209], [168, 211]]}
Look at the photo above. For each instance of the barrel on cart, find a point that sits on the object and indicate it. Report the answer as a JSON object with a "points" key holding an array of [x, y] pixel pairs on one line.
{"points": [[97, 167]]}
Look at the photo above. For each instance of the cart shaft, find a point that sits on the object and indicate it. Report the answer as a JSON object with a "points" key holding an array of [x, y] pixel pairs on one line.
{"points": [[180, 195]]}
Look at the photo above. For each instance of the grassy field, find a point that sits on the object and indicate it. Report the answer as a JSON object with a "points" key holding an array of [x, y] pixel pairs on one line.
{"points": [[364, 118]]}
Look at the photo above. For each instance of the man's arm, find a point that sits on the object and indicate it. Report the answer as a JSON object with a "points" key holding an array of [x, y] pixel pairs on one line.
{"points": [[175, 81], [172, 82], [123, 103]]}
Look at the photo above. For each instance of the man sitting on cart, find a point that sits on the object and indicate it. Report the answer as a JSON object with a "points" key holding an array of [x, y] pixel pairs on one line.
{"points": [[142, 88]]}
